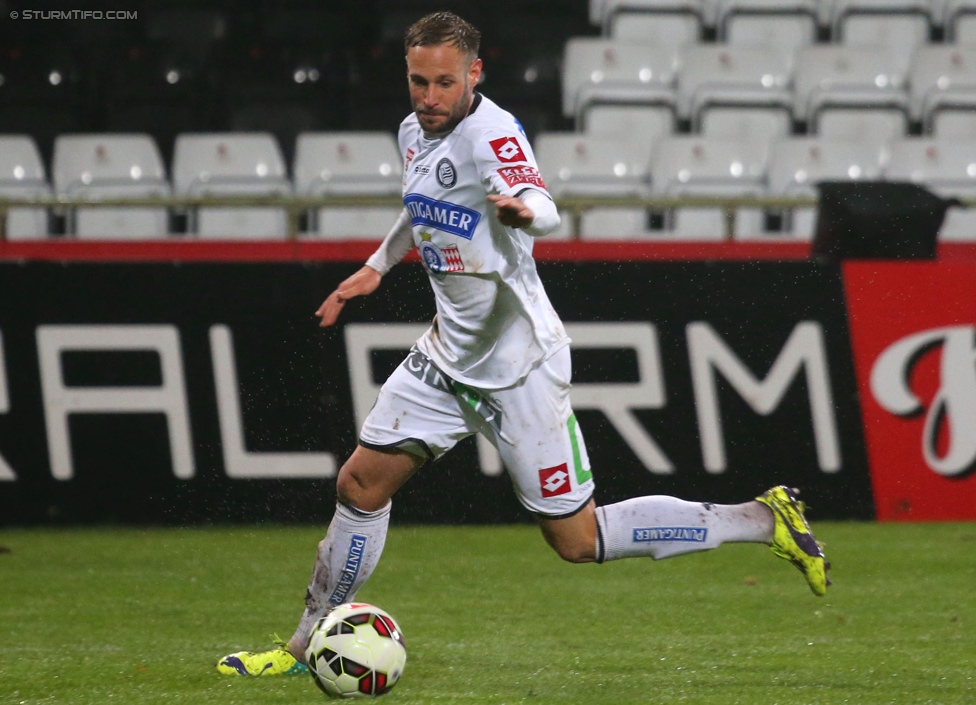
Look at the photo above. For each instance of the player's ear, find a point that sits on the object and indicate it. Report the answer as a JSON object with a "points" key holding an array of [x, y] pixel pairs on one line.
{"points": [[474, 72]]}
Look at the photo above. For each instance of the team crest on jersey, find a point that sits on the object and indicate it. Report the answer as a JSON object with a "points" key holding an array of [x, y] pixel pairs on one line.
{"points": [[507, 149], [446, 173], [441, 261]]}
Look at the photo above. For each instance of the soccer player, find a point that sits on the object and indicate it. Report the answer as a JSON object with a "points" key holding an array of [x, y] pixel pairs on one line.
{"points": [[495, 361]]}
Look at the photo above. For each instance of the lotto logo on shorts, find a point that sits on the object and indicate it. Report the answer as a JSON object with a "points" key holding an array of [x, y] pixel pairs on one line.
{"points": [[513, 175], [507, 149], [554, 481]]}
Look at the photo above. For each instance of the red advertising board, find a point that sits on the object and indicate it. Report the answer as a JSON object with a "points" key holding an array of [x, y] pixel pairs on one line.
{"points": [[913, 333]]}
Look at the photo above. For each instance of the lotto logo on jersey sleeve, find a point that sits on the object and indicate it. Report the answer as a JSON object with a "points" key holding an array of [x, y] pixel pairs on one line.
{"points": [[507, 149], [515, 175], [554, 481]]}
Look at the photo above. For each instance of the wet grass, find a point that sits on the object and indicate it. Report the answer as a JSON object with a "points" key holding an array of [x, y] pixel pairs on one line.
{"points": [[492, 616]]}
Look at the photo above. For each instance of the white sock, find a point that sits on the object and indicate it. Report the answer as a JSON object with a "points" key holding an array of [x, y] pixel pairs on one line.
{"points": [[346, 558], [660, 527]]}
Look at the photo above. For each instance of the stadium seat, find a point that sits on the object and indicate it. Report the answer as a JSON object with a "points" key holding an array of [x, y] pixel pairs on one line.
{"points": [[606, 71], [640, 126], [942, 78], [954, 124], [896, 25], [847, 77], [948, 168], [582, 165], [666, 30], [687, 165], [959, 18], [238, 164], [948, 13], [876, 127], [673, 13], [797, 164], [714, 76], [111, 165], [349, 163], [775, 24], [746, 123], [22, 176]]}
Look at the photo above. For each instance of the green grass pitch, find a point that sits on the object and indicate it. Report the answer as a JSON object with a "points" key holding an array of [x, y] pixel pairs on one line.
{"points": [[491, 615]]}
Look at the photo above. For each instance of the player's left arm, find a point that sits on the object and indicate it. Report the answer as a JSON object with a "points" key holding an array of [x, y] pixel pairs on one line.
{"points": [[531, 211], [515, 186]]}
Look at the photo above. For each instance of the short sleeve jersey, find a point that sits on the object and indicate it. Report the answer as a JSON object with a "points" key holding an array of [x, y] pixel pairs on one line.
{"points": [[494, 320]]}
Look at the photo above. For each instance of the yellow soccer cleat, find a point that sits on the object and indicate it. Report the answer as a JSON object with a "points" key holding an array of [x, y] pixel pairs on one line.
{"points": [[276, 662], [792, 538]]}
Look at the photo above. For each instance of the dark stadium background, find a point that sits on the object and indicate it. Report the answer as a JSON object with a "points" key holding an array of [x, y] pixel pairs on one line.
{"points": [[252, 66]]}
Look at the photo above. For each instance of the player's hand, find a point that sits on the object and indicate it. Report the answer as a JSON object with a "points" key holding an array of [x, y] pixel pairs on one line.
{"points": [[511, 211], [363, 282]]}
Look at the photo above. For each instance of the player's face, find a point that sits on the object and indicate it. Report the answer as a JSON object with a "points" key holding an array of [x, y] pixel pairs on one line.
{"points": [[442, 80]]}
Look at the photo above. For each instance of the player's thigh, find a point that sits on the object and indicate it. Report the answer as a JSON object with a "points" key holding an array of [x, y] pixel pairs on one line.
{"points": [[416, 411], [542, 445]]}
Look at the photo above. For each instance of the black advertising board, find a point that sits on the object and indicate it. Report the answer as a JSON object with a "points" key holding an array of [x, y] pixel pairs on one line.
{"points": [[205, 392]]}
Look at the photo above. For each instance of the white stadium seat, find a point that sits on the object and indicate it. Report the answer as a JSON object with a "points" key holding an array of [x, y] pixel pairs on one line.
{"points": [[614, 10], [111, 165], [954, 124], [746, 123], [875, 127], [948, 168], [688, 165], [899, 25], [606, 71], [22, 176], [797, 164], [775, 24], [942, 78], [711, 76], [666, 30], [349, 163], [232, 163], [959, 18], [581, 165], [638, 125], [847, 77]]}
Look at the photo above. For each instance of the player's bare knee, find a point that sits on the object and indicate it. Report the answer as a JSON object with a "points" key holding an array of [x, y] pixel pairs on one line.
{"points": [[351, 491]]}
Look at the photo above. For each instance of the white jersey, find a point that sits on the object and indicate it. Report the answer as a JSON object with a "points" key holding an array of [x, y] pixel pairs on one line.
{"points": [[494, 321]]}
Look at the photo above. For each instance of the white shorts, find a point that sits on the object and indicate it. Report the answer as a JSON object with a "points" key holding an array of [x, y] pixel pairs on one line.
{"points": [[421, 410]]}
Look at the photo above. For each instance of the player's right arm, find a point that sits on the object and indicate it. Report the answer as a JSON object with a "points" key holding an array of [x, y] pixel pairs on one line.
{"points": [[394, 248]]}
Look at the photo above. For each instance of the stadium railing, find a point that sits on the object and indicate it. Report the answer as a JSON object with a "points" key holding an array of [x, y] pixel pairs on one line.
{"points": [[297, 206]]}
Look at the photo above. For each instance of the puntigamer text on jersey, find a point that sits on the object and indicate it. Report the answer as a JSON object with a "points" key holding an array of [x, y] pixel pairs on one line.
{"points": [[442, 215]]}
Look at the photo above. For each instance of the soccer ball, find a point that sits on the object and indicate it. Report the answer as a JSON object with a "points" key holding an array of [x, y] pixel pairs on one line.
{"points": [[356, 651]]}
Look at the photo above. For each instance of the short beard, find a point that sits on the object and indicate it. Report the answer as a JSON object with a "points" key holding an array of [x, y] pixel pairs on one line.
{"points": [[457, 115]]}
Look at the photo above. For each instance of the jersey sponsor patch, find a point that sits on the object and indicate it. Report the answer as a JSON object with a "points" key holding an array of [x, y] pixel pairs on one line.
{"points": [[691, 534], [507, 149], [554, 481], [441, 215], [514, 175], [357, 546]]}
